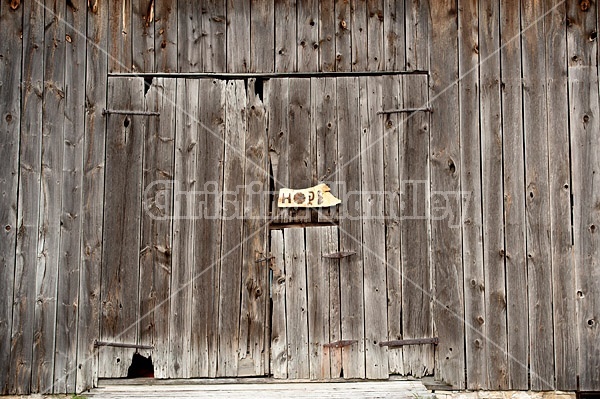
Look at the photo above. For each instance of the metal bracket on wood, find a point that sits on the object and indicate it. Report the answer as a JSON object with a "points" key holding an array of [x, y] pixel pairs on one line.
{"points": [[404, 110], [404, 342], [339, 255], [340, 344], [121, 345], [267, 259], [125, 112]]}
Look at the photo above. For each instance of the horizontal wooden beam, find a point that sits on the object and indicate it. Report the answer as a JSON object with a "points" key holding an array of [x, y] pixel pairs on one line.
{"points": [[122, 345]]}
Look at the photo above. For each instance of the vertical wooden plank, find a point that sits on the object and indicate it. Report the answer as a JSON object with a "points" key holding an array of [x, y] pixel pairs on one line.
{"points": [[142, 35], [156, 223], [324, 126], [65, 365], [185, 210], [373, 226], [277, 101], [253, 315], [375, 39], [343, 37], [214, 25], [190, 55], [11, 53], [308, 36], [279, 318], [585, 144], [563, 268], [207, 247], [394, 38], [285, 35], [296, 303], [492, 197], [21, 357], [417, 35], [358, 12], [119, 37], [121, 236], [88, 318], [416, 269], [470, 153], [262, 42], [238, 35], [445, 170], [46, 280], [537, 213], [317, 286], [392, 176], [335, 331], [514, 200], [165, 36], [327, 36], [300, 154], [232, 241], [350, 227]]}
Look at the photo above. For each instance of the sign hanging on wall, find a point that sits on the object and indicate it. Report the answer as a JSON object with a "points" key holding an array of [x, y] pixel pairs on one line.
{"points": [[318, 196]]}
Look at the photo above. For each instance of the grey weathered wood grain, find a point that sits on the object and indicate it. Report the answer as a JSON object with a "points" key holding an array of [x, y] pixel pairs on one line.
{"points": [[359, 31], [470, 151], [277, 101], [563, 275], [317, 287], [394, 35], [296, 303], [205, 322], [416, 266], [307, 40], [285, 35], [185, 210], [350, 227], [253, 314], [343, 36], [537, 212], [300, 154], [445, 170], [375, 39], [156, 224], [262, 41], [190, 54], [238, 35], [46, 281], [214, 26], [165, 36], [65, 364], [142, 35], [120, 55], [335, 331], [11, 53], [417, 28], [583, 100], [88, 319], [324, 127], [392, 175], [232, 241], [21, 358], [373, 226], [121, 234], [514, 199], [492, 197], [327, 27], [278, 319]]}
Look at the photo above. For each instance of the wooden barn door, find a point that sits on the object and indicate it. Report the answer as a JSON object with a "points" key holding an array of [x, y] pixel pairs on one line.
{"points": [[185, 229], [330, 315]]}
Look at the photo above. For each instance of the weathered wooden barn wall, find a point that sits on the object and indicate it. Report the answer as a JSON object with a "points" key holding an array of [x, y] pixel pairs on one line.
{"points": [[515, 97]]}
